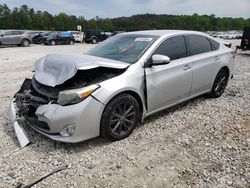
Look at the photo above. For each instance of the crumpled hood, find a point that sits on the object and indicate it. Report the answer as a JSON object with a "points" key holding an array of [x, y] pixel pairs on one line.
{"points": [[55, 69]]}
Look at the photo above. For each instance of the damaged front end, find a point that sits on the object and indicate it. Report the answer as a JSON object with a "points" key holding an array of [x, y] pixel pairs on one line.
{"points": [[52, 110]]}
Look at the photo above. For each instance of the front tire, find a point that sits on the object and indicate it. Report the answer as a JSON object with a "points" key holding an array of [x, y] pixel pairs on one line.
{"points": [[220, 84], [71, 42], [25, 43], [53, 43], [120, 117]]}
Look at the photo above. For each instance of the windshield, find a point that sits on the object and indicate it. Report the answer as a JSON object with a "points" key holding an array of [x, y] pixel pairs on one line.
{"points": [[127, 48]]}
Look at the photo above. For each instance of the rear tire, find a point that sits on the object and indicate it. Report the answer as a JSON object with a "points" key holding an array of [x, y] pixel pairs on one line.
{"points": [[220, 84], [25, 43], [94, 41], [120, 117]]}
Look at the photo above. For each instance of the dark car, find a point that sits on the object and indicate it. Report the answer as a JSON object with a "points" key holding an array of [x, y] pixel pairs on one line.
{"points": [[59, 38], [94, 36], [38, 38], [245, 40]]}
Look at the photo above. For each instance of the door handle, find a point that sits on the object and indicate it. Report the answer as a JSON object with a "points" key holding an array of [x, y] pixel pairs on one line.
{"points": [[216, 58], [187, 67]]}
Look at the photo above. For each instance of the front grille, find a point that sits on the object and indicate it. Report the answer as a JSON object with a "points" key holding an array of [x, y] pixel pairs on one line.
{"points": [[27, 101], [35, 122]]}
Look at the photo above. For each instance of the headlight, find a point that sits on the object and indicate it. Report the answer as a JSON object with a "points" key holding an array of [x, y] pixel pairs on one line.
{"points": [[76, 95]]}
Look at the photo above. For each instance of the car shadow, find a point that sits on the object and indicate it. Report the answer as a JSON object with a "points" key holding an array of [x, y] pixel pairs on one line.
{"points": [[8, 46], [173, 109]]}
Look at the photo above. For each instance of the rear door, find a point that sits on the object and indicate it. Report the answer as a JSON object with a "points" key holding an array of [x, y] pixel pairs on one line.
{"points": [[17, 37], [205, 60], [171, 83]]}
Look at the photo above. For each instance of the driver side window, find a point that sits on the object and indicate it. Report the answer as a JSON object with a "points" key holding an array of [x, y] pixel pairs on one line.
{"points": [[174, 48]]}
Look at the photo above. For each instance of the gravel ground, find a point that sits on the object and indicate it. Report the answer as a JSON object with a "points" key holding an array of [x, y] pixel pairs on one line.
{"points": [[200, 143]]}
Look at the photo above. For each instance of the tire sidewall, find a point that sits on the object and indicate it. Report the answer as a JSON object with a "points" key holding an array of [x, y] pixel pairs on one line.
{"points": [[94, 41], [105, 128], [213, 92], [25, 43], [53, 43]]}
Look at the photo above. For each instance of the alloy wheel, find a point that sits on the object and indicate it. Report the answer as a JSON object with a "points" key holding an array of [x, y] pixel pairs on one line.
{"points": [[122, 119], [26, 43], [220, 84]]}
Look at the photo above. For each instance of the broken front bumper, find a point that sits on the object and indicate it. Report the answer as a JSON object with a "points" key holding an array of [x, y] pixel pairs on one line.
{"points": [[52, 119], [85, 116], [21, 134]]}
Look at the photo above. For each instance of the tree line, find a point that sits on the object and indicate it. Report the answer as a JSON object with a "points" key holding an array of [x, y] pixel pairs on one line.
{"points": [[29, 19]]}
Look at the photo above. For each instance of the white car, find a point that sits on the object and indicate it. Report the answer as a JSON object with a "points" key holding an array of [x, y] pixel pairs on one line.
{"points": [[78, 36], [230, 35]]}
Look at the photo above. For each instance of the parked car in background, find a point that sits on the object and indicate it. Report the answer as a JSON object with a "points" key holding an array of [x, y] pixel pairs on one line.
{"points": [[56, 38], [239, 34], [245, 39], [78, 36], [114, 86], [94, 36], [40, 38], [15, 37], [117, 32], [230, 35], [218, 34], [34, 33]]}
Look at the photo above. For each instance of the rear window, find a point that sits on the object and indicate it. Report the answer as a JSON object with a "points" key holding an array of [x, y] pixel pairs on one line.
{"points": [[64, 34], [198, 44], [17, 32], [215, 45]]}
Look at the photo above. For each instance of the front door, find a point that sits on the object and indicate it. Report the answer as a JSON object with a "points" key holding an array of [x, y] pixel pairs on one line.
{"points": [[8, 38], [171, 83]]}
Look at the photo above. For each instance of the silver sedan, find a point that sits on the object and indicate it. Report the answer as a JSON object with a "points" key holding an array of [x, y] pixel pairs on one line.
{"points": [[117, 84]]}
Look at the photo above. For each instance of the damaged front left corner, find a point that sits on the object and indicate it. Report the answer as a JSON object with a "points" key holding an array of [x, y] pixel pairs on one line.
{"points": [[20, 132]]}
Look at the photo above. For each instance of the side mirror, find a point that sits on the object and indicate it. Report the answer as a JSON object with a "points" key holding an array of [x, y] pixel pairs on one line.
{"points": [[1, 35], [158, 59]]}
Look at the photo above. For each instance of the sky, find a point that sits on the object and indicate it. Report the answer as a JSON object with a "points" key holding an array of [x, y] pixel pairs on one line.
{"points": [[116, 8]]}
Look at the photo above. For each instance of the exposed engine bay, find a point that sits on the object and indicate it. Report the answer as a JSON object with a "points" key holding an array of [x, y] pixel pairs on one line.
{"points": [[33, 94], [81, 79]]}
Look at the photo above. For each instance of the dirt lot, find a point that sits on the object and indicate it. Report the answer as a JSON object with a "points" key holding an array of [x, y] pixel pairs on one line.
{"points": [[201, 143]]}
